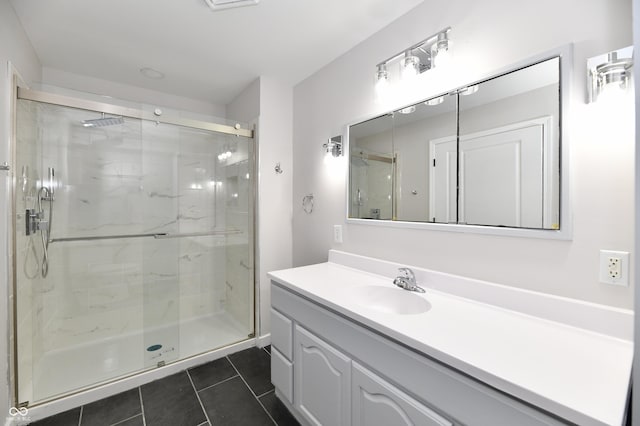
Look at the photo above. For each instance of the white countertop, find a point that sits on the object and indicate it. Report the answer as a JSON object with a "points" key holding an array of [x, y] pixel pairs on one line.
{"points": [[574, 373]]}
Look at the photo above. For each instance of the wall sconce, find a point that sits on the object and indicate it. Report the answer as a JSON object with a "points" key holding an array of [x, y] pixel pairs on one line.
{"points": [[334, 146], [423, 56], [610, 72]]}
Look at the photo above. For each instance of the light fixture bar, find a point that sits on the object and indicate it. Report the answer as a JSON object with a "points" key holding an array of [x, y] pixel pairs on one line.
{"points": [[424, 46]]}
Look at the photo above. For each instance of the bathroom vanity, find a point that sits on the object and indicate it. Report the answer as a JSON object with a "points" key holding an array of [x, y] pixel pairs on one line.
{"points": [[349, 348]]}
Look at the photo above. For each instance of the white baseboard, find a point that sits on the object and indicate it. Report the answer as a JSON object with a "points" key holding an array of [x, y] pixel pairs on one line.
{"points": [[262, 341]]}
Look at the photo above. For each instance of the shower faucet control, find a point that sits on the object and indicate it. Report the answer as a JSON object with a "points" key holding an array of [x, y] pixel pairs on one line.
{"points": [[35, 221], [30, 221]]}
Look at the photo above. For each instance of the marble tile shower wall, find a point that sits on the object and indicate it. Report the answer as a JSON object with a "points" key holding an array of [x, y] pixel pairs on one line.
{"points": [[139, 177], [28, 251]]}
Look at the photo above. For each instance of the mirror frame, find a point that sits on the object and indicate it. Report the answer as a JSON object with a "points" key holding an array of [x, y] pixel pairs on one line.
{"points": [[565, 53]]}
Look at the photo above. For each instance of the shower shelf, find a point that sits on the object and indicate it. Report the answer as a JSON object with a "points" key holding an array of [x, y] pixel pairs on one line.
{"points": [[156, 236]]}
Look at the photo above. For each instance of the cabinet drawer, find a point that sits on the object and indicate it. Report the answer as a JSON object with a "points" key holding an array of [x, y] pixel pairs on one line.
{"points": [[282, 334], [282, 374]]}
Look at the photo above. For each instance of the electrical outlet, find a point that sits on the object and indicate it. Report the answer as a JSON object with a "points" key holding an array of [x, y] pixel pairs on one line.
{"points": [[337, 233], [614, 267]]}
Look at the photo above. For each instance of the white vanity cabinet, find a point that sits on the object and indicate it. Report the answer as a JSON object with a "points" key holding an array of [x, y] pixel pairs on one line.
{"points": [[322, 381], [347, 374], [378, 403], [282, 354]]}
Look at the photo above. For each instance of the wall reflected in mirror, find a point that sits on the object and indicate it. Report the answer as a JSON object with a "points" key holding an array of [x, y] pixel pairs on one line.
{"points": [[416, 130], [372, 169], [487, 154]]}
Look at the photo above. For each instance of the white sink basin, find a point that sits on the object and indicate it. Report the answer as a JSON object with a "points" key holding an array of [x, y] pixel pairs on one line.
{"points": [[389, 300]]}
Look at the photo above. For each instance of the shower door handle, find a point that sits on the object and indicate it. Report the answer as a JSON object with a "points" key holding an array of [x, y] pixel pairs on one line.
{"points": [[5, 167]]}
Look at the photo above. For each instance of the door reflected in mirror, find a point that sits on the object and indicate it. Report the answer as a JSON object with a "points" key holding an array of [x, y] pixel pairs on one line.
{"points": [[415, 133], [487, 154]]}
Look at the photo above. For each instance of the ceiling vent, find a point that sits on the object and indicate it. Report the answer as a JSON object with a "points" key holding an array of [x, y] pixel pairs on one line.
{"points": [[228, 4]]}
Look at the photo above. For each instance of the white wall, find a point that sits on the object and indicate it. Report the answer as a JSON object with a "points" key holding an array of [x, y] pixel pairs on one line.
{"points": [[14, 47], [83, 83], [246, 106], [636, 258], [275, 190], [486, 36]]}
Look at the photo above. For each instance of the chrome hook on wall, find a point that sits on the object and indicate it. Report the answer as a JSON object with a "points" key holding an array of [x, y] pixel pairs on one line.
{"points": [[278, 169], [307, 203]]}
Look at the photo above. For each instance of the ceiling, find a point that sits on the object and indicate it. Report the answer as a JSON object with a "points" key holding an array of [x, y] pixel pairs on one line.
{"points": [[204, 55]]}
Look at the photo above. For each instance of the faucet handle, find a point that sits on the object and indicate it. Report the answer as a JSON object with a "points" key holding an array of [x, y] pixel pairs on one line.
{"points": [[408, 273]]}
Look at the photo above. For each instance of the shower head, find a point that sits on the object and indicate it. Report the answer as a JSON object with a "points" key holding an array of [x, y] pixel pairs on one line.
{"points": [[104, 121]]}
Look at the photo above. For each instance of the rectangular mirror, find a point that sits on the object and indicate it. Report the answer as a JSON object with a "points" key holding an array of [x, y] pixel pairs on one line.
{"points": [[487, 154]]}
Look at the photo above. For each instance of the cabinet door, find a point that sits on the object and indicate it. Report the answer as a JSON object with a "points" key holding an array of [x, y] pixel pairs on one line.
{"points": [[378, 403], [322, 381]]}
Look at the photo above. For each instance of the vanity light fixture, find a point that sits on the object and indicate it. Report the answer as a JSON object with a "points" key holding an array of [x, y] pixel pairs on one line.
{"points": [[435, 101], [225, 154], [419, 57], [440, 50], [609, 73], [469, 90], [408, 110], [382, 79], [333, 146], [410, 66]]}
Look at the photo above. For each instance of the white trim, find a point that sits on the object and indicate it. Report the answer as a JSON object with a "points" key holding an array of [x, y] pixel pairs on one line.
{"points": [[432, 172], [264, 340]]}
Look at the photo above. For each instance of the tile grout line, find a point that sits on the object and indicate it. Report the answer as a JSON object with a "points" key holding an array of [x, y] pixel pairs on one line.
{"points": [[218, 383], [206, 415], [80, 417], [267, 411], [144, 420], [263, 394], [125, 420], [251, 390]]}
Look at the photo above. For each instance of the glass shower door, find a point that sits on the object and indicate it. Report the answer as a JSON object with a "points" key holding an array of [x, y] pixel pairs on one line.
{"points": [[150, 251], [209, 228]]}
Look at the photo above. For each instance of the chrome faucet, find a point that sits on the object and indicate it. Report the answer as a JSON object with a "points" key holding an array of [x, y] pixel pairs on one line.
{"points": [[407, 280]]}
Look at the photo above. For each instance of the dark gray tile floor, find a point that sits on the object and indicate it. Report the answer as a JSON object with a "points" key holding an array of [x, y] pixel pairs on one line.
{"points": [[234, 390]]}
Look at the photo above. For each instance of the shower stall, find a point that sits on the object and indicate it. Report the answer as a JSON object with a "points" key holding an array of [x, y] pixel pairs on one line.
{"points": [[133, 235]]}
